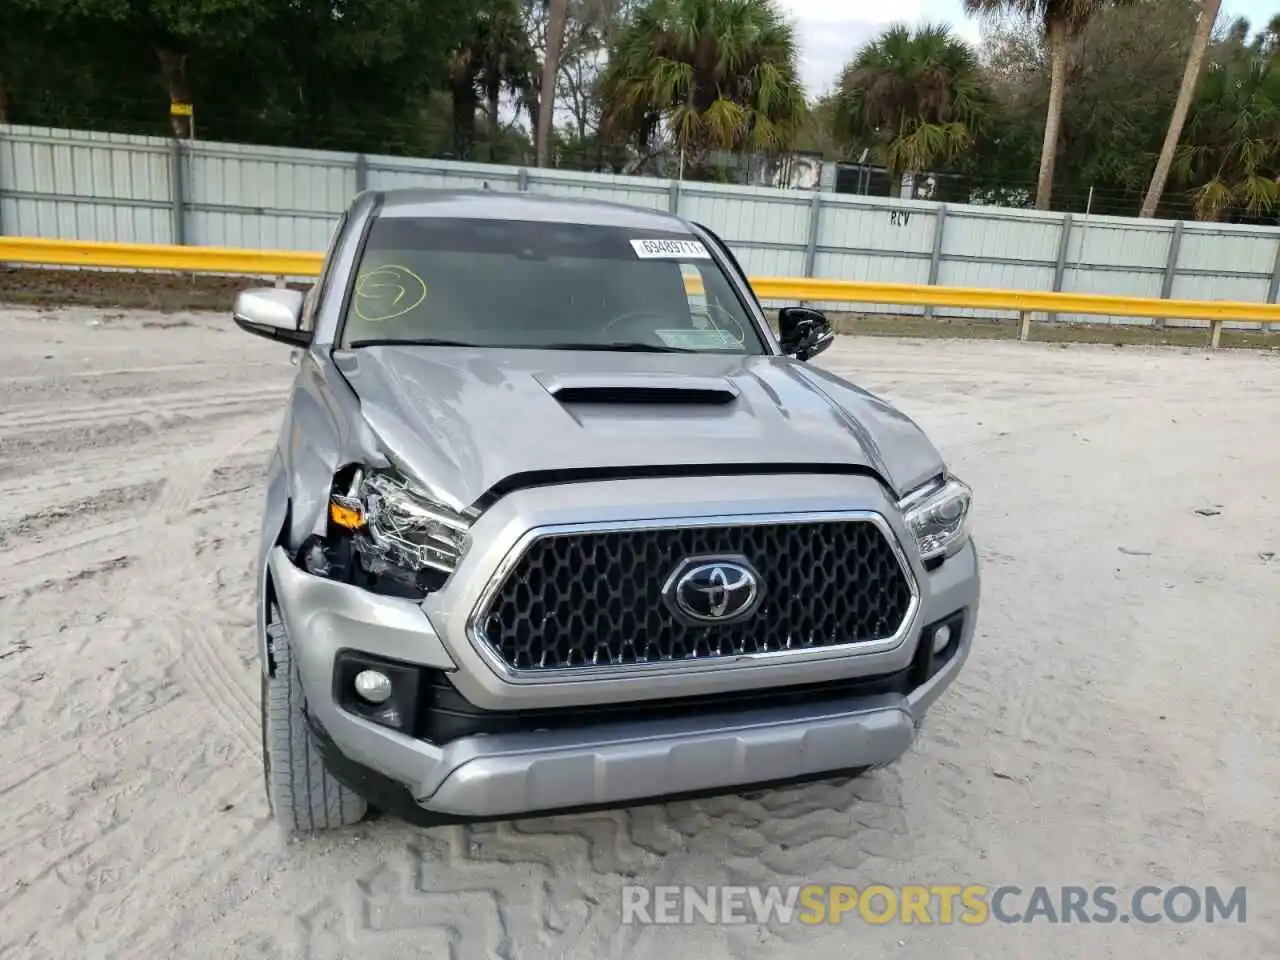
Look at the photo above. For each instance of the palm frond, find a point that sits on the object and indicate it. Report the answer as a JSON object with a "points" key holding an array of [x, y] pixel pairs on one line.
{"points": [[720, 73], [916, 94]]}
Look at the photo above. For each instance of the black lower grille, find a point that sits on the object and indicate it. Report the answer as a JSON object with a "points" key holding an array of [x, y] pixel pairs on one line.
{"points": [[446, 715], [595, 599]]}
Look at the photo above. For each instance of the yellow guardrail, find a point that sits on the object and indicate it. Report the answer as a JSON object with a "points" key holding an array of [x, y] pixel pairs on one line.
{"points": [[283, 263], [154, 256]]}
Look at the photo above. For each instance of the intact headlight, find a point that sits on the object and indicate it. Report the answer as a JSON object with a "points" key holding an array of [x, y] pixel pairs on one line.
{"points": [[398, 527], [937, 515]]}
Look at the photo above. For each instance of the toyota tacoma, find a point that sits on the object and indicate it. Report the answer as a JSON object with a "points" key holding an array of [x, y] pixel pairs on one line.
{"points": [[556, 521]]}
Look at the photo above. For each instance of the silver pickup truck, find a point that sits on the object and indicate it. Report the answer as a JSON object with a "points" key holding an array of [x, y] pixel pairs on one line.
{"points": [[555, 521]]}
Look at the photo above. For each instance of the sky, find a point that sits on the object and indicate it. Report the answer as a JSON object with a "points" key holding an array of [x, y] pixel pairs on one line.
{"points": [[831, 32]]}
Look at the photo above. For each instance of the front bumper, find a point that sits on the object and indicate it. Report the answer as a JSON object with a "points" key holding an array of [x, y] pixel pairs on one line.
{"points": [[605, 763], [546, 772]]}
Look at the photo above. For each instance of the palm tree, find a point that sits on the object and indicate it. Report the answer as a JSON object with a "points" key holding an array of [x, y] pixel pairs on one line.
{"points": [[494, 55], [505, 62], [915, 96], [1060, 21], [1190, 78], [1231, 155], [719, 74]]}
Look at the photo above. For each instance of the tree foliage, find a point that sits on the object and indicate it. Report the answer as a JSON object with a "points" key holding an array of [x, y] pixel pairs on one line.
{"points": [[1123, 71], [915, 97], [1061, 22], [1231, 152], [714, 75], [698, 79], [492, 57], [340, 74]]}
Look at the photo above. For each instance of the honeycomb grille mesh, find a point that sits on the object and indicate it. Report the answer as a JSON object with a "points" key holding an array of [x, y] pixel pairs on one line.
{"points": [[595, 599]]}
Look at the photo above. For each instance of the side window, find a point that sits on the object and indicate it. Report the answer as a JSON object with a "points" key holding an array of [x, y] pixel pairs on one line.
{"points": [[311, 303]]}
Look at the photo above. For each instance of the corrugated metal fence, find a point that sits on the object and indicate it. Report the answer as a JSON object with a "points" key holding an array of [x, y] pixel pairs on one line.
{"points": [[94, 186]]}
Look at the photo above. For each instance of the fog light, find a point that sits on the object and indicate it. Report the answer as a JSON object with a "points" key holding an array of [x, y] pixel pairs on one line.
{"points": [[941, 637], [373, 686], [378, 690]]}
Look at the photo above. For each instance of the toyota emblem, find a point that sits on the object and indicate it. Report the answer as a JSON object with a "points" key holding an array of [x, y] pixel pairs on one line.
{"points": [[713, 590]]}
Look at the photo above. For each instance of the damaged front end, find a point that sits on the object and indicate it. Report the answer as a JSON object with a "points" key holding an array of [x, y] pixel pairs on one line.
{"points": [[385, 534]]}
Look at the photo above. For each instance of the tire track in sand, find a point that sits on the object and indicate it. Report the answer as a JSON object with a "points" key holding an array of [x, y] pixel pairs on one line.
{"points": [[185, 602], [58, 415]]}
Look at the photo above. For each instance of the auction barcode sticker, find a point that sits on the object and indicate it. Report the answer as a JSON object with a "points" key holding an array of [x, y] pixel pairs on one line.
{"points": [[670, 250]]}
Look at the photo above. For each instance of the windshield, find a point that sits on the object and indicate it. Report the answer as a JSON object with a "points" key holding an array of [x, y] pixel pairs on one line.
{"points": [[500, 283]]}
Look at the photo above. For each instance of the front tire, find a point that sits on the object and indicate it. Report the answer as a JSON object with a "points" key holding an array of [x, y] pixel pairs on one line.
{"points": [[303, 796]]}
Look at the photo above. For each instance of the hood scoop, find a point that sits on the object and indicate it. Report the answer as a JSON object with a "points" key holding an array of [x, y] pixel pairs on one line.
{"points": [[635, 388]]}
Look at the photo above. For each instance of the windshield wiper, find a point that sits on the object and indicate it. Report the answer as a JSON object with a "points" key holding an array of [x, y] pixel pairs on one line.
{"points": [[407, 342], [623, 346]]}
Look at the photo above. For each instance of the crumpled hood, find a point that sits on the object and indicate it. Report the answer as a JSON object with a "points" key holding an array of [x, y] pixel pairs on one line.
{"points": [[463, 420]]}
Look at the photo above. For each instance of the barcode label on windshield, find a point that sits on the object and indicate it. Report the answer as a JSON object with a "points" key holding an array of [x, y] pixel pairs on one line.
{"points": [[670, 250]]}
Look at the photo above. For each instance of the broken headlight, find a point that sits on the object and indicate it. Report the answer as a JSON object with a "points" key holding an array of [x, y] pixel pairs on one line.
{"points": [[937, 515], [398, 530]]}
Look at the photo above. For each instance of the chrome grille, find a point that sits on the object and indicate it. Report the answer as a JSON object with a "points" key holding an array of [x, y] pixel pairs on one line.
{"points": [[595, 599]]}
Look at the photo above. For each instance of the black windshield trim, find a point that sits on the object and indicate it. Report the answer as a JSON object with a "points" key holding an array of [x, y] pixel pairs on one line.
{"points": [[349, 281], [628, 347], [559, 347], [408, 342]]}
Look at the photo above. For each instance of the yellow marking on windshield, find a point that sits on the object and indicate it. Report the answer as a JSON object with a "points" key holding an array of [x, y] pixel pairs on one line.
{"points": [[387, 292]]}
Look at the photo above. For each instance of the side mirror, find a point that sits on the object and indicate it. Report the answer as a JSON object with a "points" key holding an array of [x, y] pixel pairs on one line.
{"points": [[803, 333], [271, 312]]}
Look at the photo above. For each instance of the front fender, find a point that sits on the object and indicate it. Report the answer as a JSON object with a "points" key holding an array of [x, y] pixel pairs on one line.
{"points": [[275, 514], [322, 431]]}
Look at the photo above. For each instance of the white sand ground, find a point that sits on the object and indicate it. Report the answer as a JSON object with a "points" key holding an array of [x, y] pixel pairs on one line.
{"points": [[1116, 723]]}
